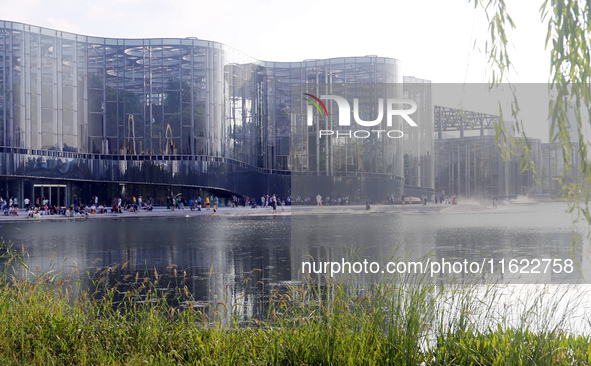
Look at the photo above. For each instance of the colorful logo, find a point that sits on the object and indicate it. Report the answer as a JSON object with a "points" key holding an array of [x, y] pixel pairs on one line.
{"points": [[315, 104], [344, 113]]}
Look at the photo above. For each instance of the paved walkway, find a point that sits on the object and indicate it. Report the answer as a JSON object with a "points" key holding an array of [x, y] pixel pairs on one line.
{"points": [[360, 209], [156, 212], [245, 211]]}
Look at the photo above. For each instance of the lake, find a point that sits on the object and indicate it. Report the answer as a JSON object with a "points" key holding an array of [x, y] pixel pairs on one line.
{"points": [[244, 259]]}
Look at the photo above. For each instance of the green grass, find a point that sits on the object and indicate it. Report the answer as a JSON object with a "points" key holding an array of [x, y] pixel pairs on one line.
{"points": [[50, 320]]}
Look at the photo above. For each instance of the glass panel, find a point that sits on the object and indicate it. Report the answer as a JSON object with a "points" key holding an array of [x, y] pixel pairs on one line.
{"points": [[48, 118], [48, 59], [69, 143], [113, 148], [95, 145], [34, 114], [173, 124], [95, 100], [111, 121], [68, 97], [68, 126], [68, 62], [49, 142], [82, 146], [81, 112], [47, 96], [95, 124]]}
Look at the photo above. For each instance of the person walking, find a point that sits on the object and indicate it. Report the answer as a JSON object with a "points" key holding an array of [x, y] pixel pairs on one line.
{"points": [[274, 204]]}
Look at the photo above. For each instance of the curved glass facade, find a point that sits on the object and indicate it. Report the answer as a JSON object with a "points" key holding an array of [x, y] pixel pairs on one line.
{"points": [[155, 115]]}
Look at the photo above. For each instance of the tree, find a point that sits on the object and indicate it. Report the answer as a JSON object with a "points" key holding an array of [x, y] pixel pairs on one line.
{"points": [[569, 39]]}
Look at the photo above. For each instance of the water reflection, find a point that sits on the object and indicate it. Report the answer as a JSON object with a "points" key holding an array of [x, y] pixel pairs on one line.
{"points": [[215, 254], [513, 232], [243, 260]]}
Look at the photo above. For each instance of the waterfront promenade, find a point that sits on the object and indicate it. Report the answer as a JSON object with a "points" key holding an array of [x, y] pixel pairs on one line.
{"points": [[247, 211], [156, 212]]}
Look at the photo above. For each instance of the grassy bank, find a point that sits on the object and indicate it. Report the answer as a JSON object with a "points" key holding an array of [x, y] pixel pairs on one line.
{"points": [[42, 322]]}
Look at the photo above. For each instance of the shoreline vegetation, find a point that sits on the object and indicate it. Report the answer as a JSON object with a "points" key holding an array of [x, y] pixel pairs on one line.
{"points": [[48, 318]]}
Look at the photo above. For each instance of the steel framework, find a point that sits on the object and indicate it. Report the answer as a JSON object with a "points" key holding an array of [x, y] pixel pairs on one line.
{"points": [[452, 119]]}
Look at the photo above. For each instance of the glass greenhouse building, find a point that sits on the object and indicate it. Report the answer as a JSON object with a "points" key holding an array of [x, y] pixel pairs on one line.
{"points": [[83, 116]]}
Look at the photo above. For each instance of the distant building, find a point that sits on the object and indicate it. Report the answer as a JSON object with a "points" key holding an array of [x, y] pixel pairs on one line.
{"points": [[419, 157], [556, 157], [474, 165]]}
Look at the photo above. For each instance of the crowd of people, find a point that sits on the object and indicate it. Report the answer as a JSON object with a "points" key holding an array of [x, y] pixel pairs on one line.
{"points": [[212, 202], [77, 208], [42, 206], [10, 207], [130, 204]]}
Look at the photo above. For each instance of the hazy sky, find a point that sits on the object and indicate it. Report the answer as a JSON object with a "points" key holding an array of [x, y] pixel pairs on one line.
{"points": [[434, 39], [442, 41]]}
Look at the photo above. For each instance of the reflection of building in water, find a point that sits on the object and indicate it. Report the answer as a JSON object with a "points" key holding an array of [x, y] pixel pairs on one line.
{"points": [[469, 161], [231, 261]]}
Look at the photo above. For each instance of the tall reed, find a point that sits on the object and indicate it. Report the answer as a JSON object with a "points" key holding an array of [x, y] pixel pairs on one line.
{"points": [[51, 318]]}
